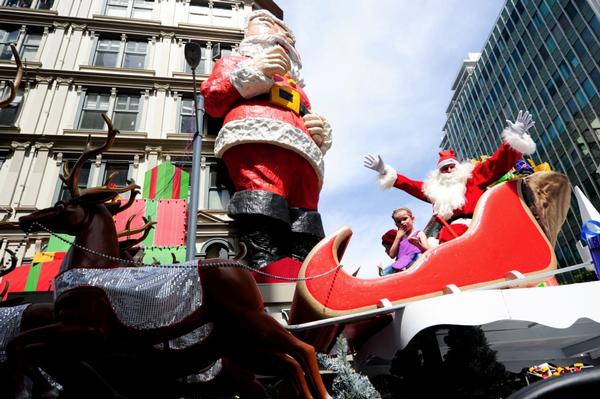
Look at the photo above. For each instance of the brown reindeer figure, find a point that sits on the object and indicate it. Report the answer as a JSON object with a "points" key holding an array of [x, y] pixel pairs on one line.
{"points": [[91, 334]]}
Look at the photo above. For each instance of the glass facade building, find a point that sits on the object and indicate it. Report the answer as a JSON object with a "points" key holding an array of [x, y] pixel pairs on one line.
{"points": [[542, 56]]}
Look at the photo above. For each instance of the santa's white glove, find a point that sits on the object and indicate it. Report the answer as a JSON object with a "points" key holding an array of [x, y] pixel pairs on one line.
{"points": [[516, 135], [273, 61], [376, 164], [523, 123], [320, 130]]}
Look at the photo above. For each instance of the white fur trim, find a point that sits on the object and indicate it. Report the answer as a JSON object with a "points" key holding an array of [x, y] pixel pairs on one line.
{"points": [[521, 142], [447, 162], [387, 179], [249, 81], [272, 131], [465, 221]]}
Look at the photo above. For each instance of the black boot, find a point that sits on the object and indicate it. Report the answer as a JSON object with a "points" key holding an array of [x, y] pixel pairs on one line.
{"points": [[263, 224], [266, 239], [307, 231], [301, 244]]}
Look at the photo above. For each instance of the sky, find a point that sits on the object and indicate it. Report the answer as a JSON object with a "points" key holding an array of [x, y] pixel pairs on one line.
{"points": [[381, 72]]}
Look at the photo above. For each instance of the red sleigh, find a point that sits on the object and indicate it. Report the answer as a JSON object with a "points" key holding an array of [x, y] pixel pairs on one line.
{"points": [[513, 230]]}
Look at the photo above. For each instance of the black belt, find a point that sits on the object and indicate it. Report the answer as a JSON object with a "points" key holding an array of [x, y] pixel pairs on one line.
{"points": [[285, 96]]}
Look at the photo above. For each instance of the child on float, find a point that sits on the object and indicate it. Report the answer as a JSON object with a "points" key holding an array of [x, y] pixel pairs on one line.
{"points": [[405, 244]]}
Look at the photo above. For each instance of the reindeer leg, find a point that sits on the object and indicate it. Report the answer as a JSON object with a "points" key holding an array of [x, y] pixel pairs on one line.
{"points": [[293, 369], [20, 349], [267, 331]]}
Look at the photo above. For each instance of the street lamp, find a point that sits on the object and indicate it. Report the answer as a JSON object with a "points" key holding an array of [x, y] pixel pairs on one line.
{"points": [[193, 54]]}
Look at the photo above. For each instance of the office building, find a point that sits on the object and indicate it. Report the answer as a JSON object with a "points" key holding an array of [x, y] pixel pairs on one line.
{"points": [[542, 56]]}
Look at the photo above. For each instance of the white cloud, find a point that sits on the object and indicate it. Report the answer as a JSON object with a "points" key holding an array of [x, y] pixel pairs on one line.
{"points": [[381, 72]]}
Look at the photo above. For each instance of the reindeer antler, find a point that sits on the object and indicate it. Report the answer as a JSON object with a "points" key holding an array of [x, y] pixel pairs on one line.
{"points": [[128, 244], [70, 178], [145, 228], [13, 85], [116, 207], [13, 263]]}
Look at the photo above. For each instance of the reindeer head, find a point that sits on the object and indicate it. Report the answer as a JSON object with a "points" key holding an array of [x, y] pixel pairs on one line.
{"points": [[74, 215]]}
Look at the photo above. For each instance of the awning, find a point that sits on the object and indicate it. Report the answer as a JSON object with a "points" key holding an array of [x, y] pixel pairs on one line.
{"points": [[523, 325]]}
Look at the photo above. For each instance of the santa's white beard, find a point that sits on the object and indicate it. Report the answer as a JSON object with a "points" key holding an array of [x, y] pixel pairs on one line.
{"points": [[447, 190], [253, 46]]}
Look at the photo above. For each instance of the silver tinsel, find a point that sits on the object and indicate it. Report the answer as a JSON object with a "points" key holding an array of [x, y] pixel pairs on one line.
{"points": [[142, 297], [10, 324]]}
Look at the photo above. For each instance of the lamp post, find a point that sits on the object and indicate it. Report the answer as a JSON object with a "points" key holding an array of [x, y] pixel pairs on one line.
{"points": [[193, 54]]}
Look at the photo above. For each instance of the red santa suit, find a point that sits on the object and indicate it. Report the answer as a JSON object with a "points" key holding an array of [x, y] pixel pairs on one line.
{"points": [[275, 165], [456, 204]]}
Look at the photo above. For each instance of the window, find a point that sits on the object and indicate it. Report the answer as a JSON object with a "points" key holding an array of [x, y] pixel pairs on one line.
{"points": [[564, 69], [543, 52], [107, 52], [126, 112], [135, 54], [572, 107], [544, 9], [551, 88], [187, 123], [581, 98], [589, 88], [8, 114], [572, 59], [129, 9], [550, 43], [218, 195], [216, 14], [7, 37], [83, 181], [119, 169], [220, 50], [94, 105], [579, 48], [595, 75], [201, 68], [557, 79], [120, 53], [217, 250], [30, 46], [39, 4], [199, 12]]}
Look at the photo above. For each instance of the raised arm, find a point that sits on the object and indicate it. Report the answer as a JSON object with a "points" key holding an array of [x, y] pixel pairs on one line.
{"points": [[516, 141], [388, 177]]}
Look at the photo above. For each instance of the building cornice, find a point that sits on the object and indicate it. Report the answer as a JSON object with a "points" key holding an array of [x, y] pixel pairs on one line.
{"points": [[126, 143], [105, 77], [101, 23]]}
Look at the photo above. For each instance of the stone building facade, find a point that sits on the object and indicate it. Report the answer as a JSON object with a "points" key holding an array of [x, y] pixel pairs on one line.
{"points": [[124, 58]]}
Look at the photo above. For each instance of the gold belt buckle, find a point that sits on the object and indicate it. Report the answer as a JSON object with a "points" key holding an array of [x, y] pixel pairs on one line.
{"points": [[285, 97]]}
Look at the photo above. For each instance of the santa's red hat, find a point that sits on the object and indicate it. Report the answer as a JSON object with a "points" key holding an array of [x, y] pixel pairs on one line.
{"points": [[388, 237], [447, 157]]}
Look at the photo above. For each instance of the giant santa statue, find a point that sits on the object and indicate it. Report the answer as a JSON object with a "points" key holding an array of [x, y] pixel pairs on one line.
{"points": [[271, 142], [454, 188]]}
